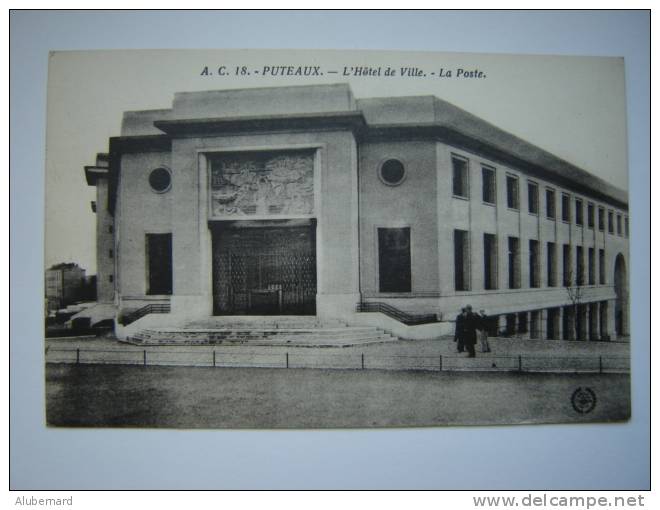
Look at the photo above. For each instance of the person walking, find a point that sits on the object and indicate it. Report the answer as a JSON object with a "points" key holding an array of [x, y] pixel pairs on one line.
{"points": [[470, 326], [483, 331], [459, 335]]}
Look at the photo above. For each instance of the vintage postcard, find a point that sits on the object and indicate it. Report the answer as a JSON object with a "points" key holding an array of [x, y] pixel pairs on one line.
{"points": [[314, 239]]}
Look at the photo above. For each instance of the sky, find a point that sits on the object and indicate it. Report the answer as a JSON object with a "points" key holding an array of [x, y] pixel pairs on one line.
{"points": [[573, 107]]}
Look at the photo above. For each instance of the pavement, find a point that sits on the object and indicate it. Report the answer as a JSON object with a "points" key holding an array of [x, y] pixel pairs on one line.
{"points": [[439, 354]]}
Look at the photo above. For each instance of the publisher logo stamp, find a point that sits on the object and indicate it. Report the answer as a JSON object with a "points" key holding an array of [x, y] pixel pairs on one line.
{"points": [[583, 400]]}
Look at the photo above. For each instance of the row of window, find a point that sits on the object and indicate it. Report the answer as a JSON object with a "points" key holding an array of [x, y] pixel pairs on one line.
{"points": [[460, 188], [394, 262], [572, 274]]}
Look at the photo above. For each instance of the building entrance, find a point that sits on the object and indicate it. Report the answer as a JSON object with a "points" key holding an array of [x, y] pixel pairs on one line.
{"points": [[264, 270]]}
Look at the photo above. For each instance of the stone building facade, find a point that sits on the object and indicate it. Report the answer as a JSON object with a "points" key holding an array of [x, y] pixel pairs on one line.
{"points": [[307, 201]]}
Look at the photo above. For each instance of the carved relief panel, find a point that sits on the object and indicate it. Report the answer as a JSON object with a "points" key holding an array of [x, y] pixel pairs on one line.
{"points": [[262, 184]]}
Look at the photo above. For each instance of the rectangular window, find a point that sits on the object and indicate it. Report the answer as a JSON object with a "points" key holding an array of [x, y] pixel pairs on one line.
{"points": [[111, 253], [489, 186], [601, 219], [565, 208], [394, 260], [461, 260], [514, 263], [592, 266], [578, 212], [601, 266], [619, 230], [111, 229], [625, 221], [610, 222], [490, 262], [512, 198], [579, 259], [568, 269], [159, 263], [552, 265], [550, 206], [111, 278], [590, 215], [533, 197], [460, 185], [534, 264]]}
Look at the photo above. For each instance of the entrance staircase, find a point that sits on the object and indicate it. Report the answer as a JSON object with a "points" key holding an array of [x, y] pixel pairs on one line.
{"points": [[277, 331]]}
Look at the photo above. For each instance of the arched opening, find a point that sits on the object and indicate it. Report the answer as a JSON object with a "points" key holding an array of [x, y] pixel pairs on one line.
{"points": [[621, 290]]}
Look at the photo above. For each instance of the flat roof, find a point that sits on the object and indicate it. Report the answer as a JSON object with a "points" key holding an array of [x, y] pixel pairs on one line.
{"points": [[412, 115]]}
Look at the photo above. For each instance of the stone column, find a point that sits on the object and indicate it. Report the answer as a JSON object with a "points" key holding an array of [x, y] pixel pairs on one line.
{"points": [[594, 322], [611, 326], [501, 324], [543, 324], [337, 230], [604, 322], [559, 325], [191, 237]]}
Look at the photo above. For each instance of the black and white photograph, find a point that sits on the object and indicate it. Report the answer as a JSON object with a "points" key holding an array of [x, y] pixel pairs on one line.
{"points": [[335, 239]]}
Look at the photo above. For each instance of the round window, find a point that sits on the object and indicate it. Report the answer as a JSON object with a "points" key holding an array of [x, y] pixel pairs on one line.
{"points": [[160, 180], [392, 172]]}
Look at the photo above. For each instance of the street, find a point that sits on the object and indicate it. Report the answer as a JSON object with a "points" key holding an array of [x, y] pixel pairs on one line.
{"points": [[200, 397]]}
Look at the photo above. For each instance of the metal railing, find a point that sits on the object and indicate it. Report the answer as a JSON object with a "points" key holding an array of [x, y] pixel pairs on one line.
{"points": [[396, 314], [200, 357], [125, 318]]}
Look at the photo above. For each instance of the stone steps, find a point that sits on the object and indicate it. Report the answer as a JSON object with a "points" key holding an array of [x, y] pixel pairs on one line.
{"points": [[273, 342], [256, 334], [224, 323], [263, 332]]}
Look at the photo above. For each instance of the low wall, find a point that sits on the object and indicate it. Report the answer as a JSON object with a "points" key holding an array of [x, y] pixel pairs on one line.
{"points": [[152, 320], [419, 332]]}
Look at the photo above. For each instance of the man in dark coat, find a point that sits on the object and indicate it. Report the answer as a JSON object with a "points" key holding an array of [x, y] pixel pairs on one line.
{"points": [[458, 332], [467, 324]]}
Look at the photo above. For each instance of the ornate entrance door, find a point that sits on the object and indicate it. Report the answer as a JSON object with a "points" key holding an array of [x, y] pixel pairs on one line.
{"points": [[264, 271]]}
